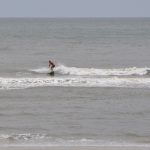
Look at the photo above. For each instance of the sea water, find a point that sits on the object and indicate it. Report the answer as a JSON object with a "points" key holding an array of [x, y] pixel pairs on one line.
{"points": [[99, 94]]}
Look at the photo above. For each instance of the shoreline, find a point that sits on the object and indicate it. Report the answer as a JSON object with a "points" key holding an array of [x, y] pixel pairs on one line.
{"points": [[20, 147]]}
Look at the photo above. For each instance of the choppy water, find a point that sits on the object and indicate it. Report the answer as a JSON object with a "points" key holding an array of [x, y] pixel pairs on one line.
{"points": [[99, 94]]}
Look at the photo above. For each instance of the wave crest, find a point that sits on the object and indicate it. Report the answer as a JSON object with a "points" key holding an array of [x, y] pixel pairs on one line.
{"points": [[64, 70]]}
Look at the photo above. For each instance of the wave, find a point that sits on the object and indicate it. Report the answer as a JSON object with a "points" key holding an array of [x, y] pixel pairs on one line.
{"points": [[46, 140], [22, 83], [64, 70]]}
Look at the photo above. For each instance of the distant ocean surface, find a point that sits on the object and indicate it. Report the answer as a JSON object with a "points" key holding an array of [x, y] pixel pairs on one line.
{"points": [[99, 95]]}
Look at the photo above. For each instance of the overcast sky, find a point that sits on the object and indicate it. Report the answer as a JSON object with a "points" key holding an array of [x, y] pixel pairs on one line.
{"points": [[74, 8]]}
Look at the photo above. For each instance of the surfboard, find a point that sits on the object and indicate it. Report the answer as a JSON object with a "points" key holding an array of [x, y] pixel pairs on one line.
{"points": [[52, 73]]}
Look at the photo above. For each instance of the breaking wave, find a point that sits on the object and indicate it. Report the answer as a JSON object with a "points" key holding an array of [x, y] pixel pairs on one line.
{"points": [[79, 77], [21, 83], [46, 140], [64, 70]]}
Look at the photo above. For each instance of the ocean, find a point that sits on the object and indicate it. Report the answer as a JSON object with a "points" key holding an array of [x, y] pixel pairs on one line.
{"points": [[99, 95]]}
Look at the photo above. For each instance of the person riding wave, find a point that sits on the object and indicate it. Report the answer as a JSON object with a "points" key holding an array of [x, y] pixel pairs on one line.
{"points": [[51, 65]]}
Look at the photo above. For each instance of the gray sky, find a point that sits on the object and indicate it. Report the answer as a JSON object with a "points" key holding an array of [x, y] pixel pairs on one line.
{"points": [[74, 8]]}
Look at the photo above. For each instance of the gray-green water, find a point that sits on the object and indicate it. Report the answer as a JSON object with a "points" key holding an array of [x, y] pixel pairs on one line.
{"points": [[99, 94]]}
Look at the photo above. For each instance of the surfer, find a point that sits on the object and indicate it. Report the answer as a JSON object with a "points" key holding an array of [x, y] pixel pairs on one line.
{"points": [[51, 65]]}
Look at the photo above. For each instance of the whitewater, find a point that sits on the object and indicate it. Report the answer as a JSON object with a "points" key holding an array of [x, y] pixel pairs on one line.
{"points": [[79, 77], [64, 70]]}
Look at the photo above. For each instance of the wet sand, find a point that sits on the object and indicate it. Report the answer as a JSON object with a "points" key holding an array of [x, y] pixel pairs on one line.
{"points": [[72, 148]]}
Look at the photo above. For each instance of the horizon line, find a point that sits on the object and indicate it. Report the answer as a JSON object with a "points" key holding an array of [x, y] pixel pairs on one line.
{"points": [[70, 17]]}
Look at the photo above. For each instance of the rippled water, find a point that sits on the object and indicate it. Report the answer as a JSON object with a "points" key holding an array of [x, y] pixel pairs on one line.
{"points": [[99, 94]]}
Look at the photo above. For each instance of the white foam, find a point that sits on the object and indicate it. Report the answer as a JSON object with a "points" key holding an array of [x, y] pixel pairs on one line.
{"points": [[46, 140], [21, 83], [61, 69], [41, 70]]}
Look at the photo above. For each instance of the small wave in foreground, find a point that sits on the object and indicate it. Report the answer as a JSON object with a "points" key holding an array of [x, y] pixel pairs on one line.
{"points": [[46, 140]]}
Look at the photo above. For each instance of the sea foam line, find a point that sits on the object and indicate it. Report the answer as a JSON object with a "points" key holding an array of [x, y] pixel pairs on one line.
{"points": [[21, 83], [28, 139]]}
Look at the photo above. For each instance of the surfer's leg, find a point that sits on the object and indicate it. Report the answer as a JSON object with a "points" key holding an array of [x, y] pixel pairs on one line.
{"points": [[52, 68]]}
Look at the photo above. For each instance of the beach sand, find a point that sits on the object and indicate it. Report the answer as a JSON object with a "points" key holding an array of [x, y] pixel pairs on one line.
{"points": [[73, 148]]}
